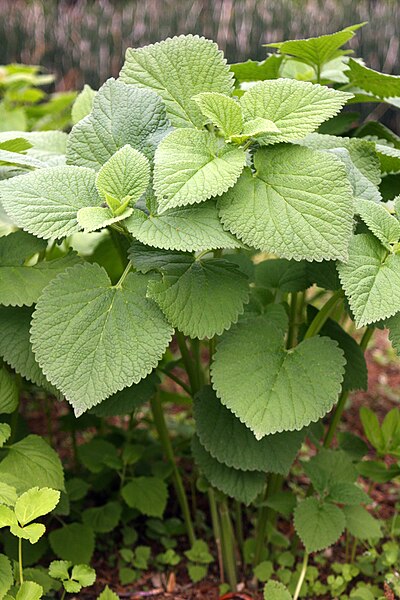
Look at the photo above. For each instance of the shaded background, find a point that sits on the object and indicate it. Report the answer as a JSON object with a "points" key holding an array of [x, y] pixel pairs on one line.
{"points": [[84, 41]]}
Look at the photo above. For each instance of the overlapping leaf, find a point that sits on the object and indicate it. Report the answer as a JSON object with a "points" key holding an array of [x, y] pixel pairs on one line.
{"points": [[270, 389], [93, 218], [319, 524], [299, 205], [178, 69], [93, 339], [378, 219], [379, 84], [9, 392], [217, 428], [126, 173]]}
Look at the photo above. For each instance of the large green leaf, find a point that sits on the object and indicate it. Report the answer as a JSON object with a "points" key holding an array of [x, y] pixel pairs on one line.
{"points": [[299, 205], [271, 389], [32, 462], [103, 519], [378, 219], [282, 274], [17, 247], [389, 158], [244, 486], [45, 203], [187, 228], [223, 112], [361, 523], [379, 84], [22, 285], [129, 399], [15, 345], [201, 297], [126, 173], [178, 69], [318, 524], [74, 542], [108, 337], [252, 70], [371, 280], [9, 392], [192, 166], [96, 217], [296, 107], [122, 114], [217, 426], [83, 104], [35, 503], [146, 494]]}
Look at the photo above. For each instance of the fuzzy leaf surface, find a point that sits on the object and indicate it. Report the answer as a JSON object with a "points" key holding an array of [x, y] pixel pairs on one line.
{"points": [[45, 203], [269, 389], [83, 104], [318, 524], [371, 280], [217, 426], [97, 326], [178, 69], [122, 114], [187, 228], [361, 523], [383, 225], [379, 84], [126, 173], [92, 218], [192, 166], [35, 503], [9, 392], [223, 112], [241, 485], [298, 205]]}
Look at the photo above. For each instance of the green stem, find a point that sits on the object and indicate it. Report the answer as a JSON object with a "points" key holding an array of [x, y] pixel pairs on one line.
{"points": [[239, 524], [176, 379], [123, 276], [188, 362], [21, 572], [353, 550], [228, 545], [301, 577], [217, 532], [63, 594], [264, 515], [161, 426], [322, 316], [292, 321], [344, 395]]}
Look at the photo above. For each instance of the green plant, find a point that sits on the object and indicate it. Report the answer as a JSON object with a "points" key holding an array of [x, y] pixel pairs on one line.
{"points": [[245, 235], [73, 581]]}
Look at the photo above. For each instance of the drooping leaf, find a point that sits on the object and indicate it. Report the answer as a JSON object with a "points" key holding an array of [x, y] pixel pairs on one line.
{"points": [[232, 443], [282, 274], [83, 104], [244, 486], [378, 219], [223, 112], [35, 503], [389, 158], [45, 203], [187, 228], [318, 524], [122, 114], [379, 84], [202, 297], [361, 524], [295, 107], [107, 326], [74, 542], [103, 519], [178, 69], [126, 173], [32, 462], [9, 392], [371, 280], [192, 166], [272, 390], [252, 70], [298, 205], [95, 217], [146, 494]]}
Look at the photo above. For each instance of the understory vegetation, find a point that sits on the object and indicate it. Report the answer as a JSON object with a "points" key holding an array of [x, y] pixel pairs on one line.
{"points": [[193, 262]]}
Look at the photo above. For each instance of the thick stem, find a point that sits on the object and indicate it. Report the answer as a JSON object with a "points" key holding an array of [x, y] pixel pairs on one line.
{"points": [[239, 525], [161, 426], [301, 577], [217, 532], [322, 316], [21, 571], [188, 362], [344, 396], [228, 545], [264, 515]]}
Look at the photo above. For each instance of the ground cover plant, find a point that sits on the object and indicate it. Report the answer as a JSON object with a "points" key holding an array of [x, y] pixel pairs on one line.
{"points": [[204, 257]]}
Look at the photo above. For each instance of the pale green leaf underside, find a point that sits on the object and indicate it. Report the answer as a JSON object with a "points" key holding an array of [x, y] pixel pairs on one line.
{"points": [[126, 173], [223, 112], [389, 158], [269, 389], [122, 114], [202, 297], [22, 286], [316, 51], [20, 160], [32, 462], [45, 203], [379, 84], [35, 503], [83, 104], [217, 426], [187, 228], [192, 166], [178, 69], [318, 524], [244, 486], [9, 393], [92, 218], [92, 339], [296, 107], [254, 129], [299, 205], [383, 225], [15, 345], [371, 280], [363, 188]]}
